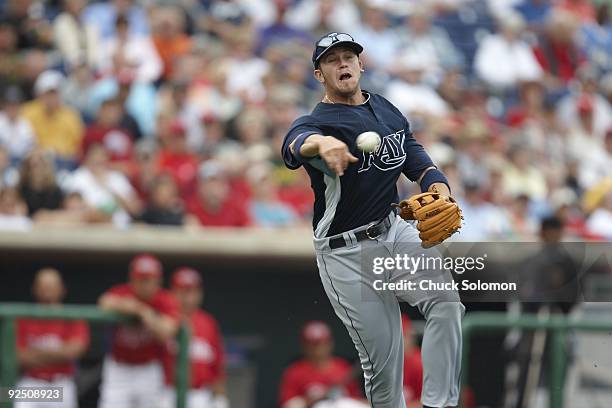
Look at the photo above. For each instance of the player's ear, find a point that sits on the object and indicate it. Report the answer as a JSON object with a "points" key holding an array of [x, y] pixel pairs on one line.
{"points": [[319, 76], [361, 66]]}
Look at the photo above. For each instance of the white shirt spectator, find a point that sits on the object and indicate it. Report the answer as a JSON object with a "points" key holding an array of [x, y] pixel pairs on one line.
{"points": [[307, 14], [138, 51], [78, 42], [600, 223], [503, 64], [244, 77], [17, 136], [567, 113], [101, 194], [415, 98]]}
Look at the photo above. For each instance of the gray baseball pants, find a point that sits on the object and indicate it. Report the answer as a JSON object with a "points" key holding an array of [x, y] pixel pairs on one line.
{"points": [[372, 317]]}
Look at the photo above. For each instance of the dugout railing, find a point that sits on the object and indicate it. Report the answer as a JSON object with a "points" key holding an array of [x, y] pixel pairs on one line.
{"points": [[9, 312], [556, 326]]}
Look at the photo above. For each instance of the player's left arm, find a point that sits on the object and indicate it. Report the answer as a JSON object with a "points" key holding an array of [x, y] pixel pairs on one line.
{"points": [[162, 326], [419, 168]]}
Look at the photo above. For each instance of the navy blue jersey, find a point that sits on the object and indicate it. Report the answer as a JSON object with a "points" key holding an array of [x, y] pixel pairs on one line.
{"points": [[368, 188]]}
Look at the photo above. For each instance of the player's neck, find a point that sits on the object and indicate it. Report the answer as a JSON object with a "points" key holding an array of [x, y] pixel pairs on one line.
{"points": [[356, 98]]}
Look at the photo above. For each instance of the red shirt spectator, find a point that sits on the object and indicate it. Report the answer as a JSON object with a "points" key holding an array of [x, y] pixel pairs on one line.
{"points": [[49, 335], [176, 159], [213, 204], [108, 132], [134, 344]]}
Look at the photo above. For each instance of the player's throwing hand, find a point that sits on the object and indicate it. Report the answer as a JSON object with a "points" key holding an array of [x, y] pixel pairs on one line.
{"points": [[336, 154]]}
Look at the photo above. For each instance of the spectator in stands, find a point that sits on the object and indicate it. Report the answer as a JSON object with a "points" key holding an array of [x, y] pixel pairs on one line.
{"points": [[13, 211], [523, 224], [16, 134], [175, 101], [57, 127], [557, 51], [104, 16], [521, 176], [132, 372], [48, 349], [37, 183], [596, 39], [252, 126], [77, 90], [77, 41], [279, 32], [104, 189], [582, 143], [600, 220], [206, 354], [410, 93], [483, 220], [587, 89], [165, 206], [413, 366], [535, 12], [213, 205], [597, 167], [134, 53], [107, 131], [9, 176], [266, 210], [320, 17], [74, 211], [376, 36], [419, 39], [176, 159], [10, 59], [318, 376], [504, 59], [584, 10], [29, 22], [473, 139], [169, 37]]}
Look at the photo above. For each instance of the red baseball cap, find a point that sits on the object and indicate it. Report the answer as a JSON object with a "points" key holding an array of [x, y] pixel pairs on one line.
{"points": [[316, 331], [145, 266], [184, 278]]}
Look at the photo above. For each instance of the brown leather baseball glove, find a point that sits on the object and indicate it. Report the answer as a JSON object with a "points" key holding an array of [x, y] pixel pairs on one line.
{"points": [[438, 216]]}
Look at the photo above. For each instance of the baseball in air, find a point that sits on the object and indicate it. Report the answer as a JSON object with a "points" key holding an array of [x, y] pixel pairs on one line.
{"points": [[368, 141]]}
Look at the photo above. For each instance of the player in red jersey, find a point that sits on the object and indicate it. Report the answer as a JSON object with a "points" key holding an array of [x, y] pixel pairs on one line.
{"points": [[132, 376], [48, 349], [205, 347], [319, 379], [413, 366]]}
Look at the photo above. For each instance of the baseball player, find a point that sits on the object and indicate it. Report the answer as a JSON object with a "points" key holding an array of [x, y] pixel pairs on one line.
{"points": [[132, 375], [319, 375], [353, 214], [48, 349], [205, 347]]}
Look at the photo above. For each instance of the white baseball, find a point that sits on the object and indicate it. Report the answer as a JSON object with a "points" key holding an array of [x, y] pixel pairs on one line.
{"points": [[368, 141]]}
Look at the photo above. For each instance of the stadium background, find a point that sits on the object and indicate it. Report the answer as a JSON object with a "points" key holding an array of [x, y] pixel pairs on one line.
{"points": [[201, 99]]}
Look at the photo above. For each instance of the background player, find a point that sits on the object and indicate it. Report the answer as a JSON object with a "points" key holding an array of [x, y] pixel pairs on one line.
{"points": [[413, 366], [354, 193], [318, 376], [132, 374], [48, 349], [206, 352]]}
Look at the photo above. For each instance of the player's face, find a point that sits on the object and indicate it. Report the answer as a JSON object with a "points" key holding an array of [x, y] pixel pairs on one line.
{"points": [[189, 298], [48, 287], [319, 350], [146, 288], [339, 71]]}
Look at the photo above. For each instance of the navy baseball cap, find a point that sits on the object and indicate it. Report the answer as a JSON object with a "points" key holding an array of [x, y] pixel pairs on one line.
{"points": [[331, 40]]}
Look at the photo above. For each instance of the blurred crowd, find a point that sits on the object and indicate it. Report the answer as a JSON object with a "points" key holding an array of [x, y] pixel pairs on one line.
{"points": [[173, 112]]}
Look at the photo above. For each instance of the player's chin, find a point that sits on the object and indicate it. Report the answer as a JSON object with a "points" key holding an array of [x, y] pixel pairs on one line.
{"points": [[348, 86]]}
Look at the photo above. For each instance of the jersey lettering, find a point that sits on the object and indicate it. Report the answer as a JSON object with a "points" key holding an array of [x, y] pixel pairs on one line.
{"points": [[389, 155]]}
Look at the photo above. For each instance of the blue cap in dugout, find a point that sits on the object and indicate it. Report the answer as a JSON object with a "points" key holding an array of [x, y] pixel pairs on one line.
{"points": [[331, 40]]}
